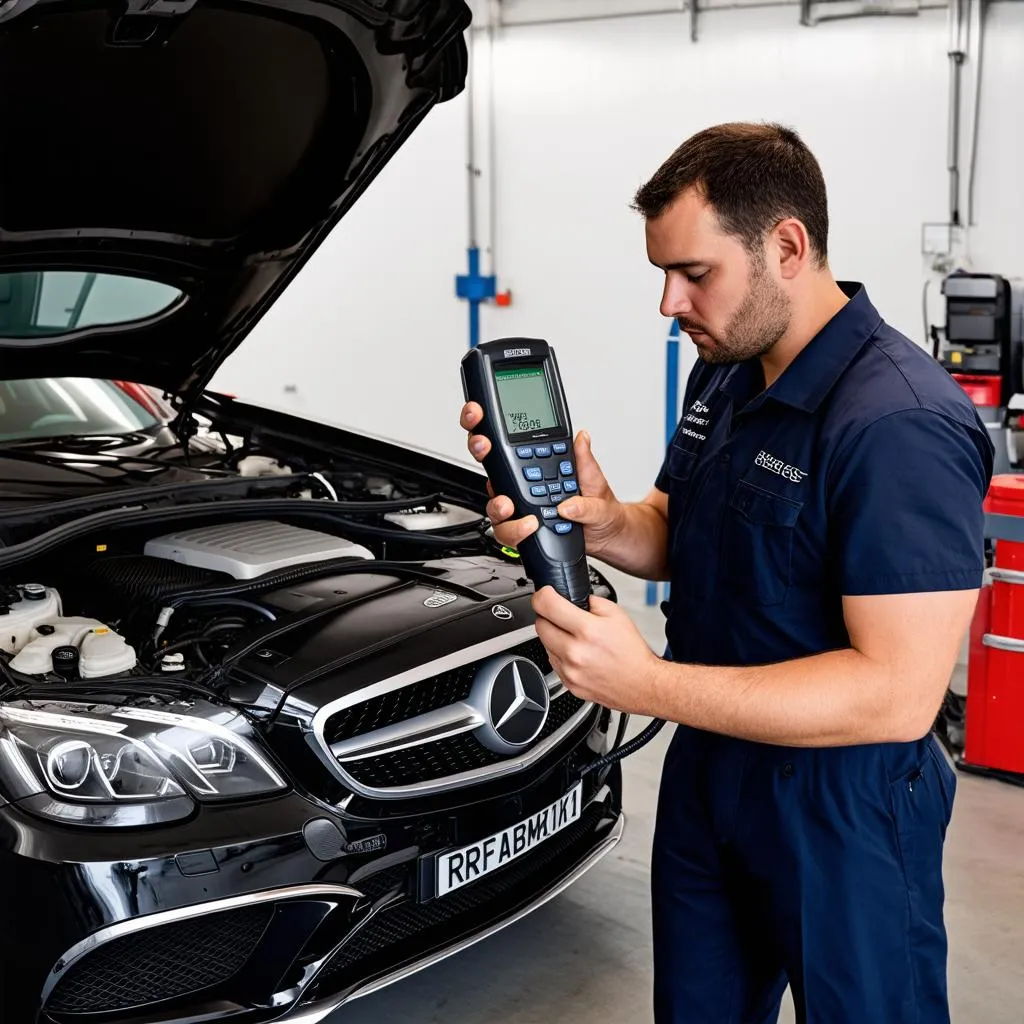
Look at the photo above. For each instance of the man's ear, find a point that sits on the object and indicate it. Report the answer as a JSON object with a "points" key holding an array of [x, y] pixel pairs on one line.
{"points": [[793, 246]]}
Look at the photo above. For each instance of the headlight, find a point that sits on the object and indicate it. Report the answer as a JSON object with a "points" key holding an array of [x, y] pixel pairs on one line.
{"points": [[131, 767]]}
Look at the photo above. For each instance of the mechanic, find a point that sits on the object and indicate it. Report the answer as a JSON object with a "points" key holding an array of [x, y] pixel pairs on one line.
{"points": [[819, 516]]}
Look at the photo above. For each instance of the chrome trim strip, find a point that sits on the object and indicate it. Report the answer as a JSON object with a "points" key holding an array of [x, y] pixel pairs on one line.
{"points": [[413, 732], [494, 771], [1003, 643], [430, 727], [99, 938], [318, 1012], [556, 688], [1006, 575], [496, 645]]}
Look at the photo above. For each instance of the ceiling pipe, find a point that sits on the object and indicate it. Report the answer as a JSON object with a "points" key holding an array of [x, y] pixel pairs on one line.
{"points": [[957, 53], [673, 7], [511, 20], [979, 52], [492, 146], [471, 141]]}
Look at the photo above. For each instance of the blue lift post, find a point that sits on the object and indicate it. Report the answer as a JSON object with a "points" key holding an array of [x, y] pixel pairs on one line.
{"points": [[475, 288], [671, 422]]}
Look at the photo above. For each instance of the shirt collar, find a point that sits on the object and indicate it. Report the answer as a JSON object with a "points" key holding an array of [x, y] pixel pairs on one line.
{"points": [[809, 378]]}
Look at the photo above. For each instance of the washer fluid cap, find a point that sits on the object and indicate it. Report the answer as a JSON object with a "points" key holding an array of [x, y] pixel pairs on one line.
{"points": [[34, 592]]}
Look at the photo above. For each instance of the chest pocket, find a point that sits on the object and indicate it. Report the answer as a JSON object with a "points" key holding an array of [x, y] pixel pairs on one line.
{"points": [[757, 544], [679, 468]]}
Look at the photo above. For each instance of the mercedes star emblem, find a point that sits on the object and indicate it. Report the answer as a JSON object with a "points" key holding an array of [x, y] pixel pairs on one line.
{"points": [[511, 695]]}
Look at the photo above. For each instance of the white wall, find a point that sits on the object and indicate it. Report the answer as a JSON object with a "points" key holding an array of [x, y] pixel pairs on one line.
{"points": [[370, 333]]}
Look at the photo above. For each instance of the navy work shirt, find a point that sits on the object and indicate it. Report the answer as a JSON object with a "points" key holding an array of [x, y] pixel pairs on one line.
{"points": [[861, 470]]}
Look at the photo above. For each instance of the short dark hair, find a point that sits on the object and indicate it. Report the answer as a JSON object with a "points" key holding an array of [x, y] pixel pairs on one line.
{"points": [[752, 176]]}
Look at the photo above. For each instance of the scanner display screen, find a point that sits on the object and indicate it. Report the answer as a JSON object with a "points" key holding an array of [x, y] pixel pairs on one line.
{"points": [[525, 399]]}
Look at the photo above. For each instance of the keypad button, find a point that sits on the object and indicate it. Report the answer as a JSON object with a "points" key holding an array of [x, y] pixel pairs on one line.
{"points": [[533, 473], [542, 451], [524, 453], [559, 447], [539, 491], [562, 527], [550, 512], [571, 487], [565, 468], [554, 488]]}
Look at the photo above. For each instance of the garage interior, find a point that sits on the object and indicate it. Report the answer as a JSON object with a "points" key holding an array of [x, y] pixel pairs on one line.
{"points": [[507, 215], [909, 106]]}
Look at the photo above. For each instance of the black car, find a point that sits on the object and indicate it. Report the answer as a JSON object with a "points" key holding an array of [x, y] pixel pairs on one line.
{"points": [[275, 725]]}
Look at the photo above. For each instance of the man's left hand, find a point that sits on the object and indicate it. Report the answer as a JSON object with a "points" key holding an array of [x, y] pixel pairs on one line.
{"points": [[599, 655]]}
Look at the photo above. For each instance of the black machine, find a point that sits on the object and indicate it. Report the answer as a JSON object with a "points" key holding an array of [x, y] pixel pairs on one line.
{"points": [[982, 347], [516, 382], [983, 335], [983, 330]]}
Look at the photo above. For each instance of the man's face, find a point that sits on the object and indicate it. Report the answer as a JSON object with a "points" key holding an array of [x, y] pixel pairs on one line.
{"points": [[727, 302]]}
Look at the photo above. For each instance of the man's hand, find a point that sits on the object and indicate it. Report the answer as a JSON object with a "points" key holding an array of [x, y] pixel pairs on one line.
{"points": [[596, 508], [599, 655]]}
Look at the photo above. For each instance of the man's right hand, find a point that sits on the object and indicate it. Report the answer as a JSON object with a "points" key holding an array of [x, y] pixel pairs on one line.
{"points": [[596, 508]]}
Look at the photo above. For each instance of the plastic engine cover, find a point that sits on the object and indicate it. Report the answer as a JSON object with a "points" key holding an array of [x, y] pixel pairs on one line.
{"points": [[249, 549]]}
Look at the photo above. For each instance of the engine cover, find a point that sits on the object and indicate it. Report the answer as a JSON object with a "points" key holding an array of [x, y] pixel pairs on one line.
{"points": [[248, 549], [340, 626]]}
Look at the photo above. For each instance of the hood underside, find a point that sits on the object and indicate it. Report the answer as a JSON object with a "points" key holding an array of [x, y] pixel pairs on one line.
{"points": [[169, 165]]}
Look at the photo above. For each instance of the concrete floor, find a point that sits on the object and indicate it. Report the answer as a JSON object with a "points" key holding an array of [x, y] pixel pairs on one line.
{"points": [[586, 956]]}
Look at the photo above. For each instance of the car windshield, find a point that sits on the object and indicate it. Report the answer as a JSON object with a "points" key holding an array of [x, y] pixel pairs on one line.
{"points": [[47, 303], [65, 406]]}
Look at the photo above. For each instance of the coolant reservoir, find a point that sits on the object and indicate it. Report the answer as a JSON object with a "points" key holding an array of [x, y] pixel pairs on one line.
{"points": [[102, 651], [22, 610]]}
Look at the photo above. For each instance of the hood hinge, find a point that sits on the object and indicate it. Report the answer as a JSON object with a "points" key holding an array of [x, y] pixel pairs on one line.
{"points": [[159, 8], [147, 22]]}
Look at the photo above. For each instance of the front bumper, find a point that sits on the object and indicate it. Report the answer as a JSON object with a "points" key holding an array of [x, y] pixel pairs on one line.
{"points": [[256, 931]]}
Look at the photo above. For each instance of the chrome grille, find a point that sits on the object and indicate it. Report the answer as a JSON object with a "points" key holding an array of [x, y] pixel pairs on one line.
{"points": [[412, 735], [432, 694], [451, 756]]}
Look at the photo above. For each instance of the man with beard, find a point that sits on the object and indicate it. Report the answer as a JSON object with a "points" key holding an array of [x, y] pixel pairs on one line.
{"points": [[819, 515]]}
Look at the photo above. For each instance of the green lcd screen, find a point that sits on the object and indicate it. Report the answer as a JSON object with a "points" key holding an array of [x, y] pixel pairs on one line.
{"points": [[525, 399]]}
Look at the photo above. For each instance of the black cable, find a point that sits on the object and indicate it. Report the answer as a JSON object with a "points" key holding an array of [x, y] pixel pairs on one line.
{"points": [[618, 753]]}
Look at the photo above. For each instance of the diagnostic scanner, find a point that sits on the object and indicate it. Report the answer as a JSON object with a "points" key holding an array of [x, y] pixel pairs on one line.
{"points": [[526, 419]]}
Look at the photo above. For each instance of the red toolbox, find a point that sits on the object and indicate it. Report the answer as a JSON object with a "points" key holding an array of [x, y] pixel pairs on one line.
{"points": [[995, 677]]}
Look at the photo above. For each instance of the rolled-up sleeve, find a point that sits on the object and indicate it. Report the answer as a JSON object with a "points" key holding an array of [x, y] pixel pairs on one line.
{"points": [[905, 501]]}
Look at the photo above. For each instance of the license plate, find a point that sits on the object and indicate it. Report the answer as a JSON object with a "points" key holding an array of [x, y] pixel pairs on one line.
{"points": [[460, 867]]}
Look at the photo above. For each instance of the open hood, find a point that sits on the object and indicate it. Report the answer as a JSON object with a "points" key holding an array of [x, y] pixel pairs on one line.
{"points": [[169, 165]]}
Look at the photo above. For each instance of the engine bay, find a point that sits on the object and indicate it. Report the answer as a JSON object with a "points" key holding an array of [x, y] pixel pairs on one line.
{"points": [[172, 604], [164, 590]]}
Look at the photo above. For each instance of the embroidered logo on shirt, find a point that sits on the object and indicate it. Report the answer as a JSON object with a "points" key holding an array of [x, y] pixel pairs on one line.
{"points": [[779, 467], [698, 417]]}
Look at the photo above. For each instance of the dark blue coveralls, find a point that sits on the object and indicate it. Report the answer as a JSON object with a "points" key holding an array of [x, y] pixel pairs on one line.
{"points": [[861, 470]]}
